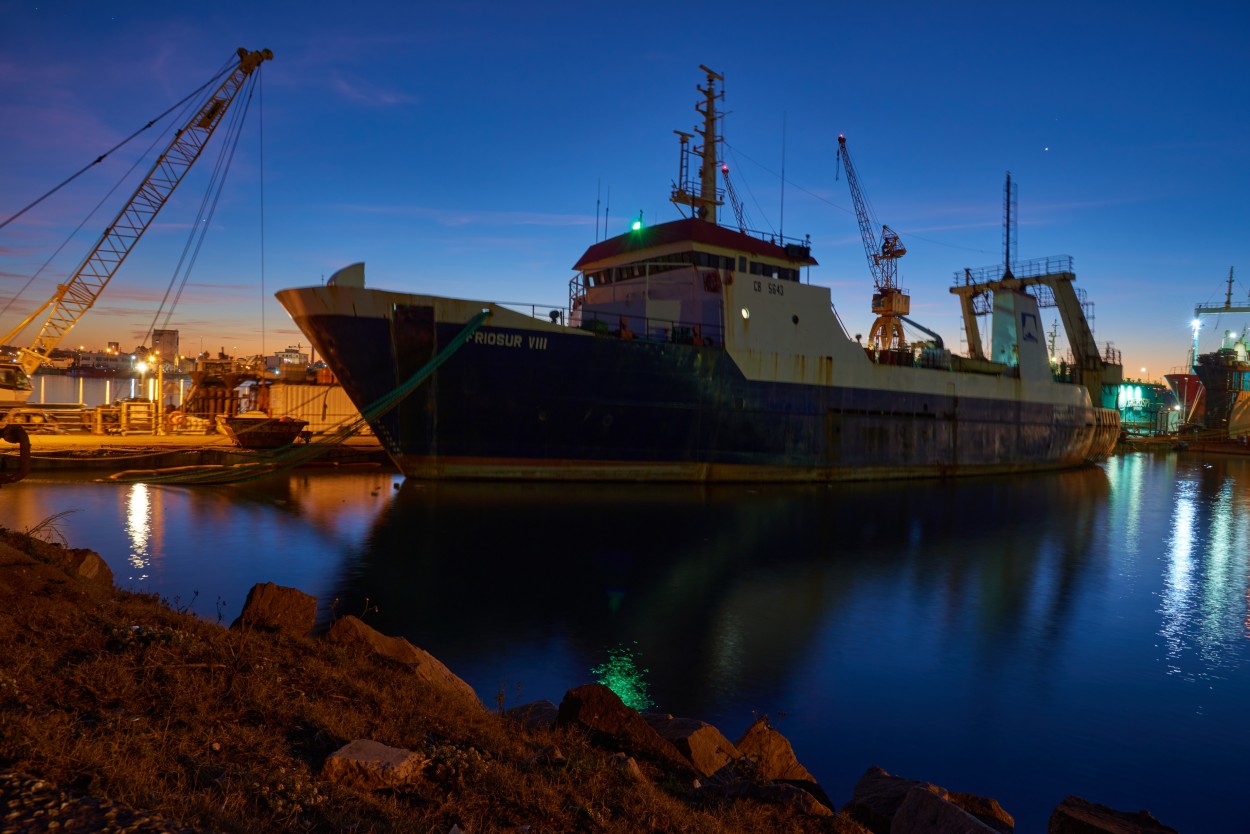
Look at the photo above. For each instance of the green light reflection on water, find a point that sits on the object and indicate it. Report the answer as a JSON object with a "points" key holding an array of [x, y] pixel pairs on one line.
{"points": [[622, 674]]}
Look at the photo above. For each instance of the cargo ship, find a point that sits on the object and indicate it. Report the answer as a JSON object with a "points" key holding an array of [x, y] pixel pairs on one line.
{"points": [[1187, 389], [1224, 373], [691, 351], [1225, 376]]}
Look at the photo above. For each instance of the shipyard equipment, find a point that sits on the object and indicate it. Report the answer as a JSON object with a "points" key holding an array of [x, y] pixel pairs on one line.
{"points": [[1214, 309], [889, 301], [73, 298], [739, 211]]}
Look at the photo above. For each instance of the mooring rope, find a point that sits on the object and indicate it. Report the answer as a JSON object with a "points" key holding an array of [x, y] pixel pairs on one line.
{"points": [[294, 455]]}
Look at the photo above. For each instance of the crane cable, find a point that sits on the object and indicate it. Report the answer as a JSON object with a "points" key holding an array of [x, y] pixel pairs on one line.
{"points": [[208, 207], [120, 144], [183, 103], [827, 201], [91, 214]]}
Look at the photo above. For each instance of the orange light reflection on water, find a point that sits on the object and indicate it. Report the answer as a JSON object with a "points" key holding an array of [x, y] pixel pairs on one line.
{"points": [[139, 530]]}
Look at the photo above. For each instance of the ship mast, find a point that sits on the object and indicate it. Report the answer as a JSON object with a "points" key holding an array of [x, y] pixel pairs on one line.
{"points": [[706, 200], [1212, 309]]}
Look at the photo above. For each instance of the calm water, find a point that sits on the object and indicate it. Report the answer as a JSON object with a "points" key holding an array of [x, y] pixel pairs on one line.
{"points": [[55, 388], [1084, 633]]}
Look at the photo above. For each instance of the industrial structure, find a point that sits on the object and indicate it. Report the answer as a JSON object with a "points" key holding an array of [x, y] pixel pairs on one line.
{"points": [[75, 297], [889, 301]]}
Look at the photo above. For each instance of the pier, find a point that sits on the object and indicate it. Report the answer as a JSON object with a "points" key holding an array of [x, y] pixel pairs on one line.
{"points": [[117, 453]]}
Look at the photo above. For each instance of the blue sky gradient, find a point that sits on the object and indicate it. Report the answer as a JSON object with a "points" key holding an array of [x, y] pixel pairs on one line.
{"points": [[461, 149]]}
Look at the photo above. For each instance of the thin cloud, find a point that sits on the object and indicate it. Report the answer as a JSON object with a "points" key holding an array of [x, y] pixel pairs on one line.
{"points": [[363, 92]]}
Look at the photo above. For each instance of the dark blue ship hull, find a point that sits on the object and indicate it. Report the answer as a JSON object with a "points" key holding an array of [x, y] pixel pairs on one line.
{"points": [[517, 403]]}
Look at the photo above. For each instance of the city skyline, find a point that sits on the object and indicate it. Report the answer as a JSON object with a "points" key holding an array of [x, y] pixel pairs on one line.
{"points": [[478, 151]]}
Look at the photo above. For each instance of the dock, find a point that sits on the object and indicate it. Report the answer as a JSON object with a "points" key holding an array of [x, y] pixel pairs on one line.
{"points": [[68, 452]]}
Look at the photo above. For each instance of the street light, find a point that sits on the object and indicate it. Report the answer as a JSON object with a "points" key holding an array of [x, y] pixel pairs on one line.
{"points": [[160, 393]]}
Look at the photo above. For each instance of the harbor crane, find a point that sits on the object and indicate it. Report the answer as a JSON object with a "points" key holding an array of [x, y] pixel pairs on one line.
{"points": [[73, 298], [889, 301], [739, 211]]}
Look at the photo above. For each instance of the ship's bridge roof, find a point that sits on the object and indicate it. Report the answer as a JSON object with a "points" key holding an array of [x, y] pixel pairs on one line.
{"points": [[693, 230]]}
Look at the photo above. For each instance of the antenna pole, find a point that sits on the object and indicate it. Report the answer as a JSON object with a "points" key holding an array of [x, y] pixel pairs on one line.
{"points": [[1009, 223], [782, 226]]}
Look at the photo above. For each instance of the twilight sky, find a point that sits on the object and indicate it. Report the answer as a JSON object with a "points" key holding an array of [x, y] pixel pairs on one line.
{"points": [[461, 149]]}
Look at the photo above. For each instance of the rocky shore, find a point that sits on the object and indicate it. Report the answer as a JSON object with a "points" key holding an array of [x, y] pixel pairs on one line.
{"points": [[119, 712]]}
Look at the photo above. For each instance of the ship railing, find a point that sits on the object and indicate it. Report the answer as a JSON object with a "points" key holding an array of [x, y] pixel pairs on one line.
{"points": [[651, 329], [797, 247], [554, 313], [1049, 265], [643, 328]]}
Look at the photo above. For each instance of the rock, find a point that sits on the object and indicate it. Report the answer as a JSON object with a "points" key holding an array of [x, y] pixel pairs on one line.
{"points": [[537, 715], [795, 798], [985, 809], [704, 745], [1079, 816], [369, 765], [86, 564], [599, 711], [812, 788], [277, 608], [924, 812], [627, 764], [352, 633], [878, 796], [771, 751], [23, 573]]}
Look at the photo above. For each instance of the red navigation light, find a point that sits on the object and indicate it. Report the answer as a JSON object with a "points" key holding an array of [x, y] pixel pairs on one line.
{"points": [[724, 169]]}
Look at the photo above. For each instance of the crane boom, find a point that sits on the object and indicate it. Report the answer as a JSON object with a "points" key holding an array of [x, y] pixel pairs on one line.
{"points": [[866, 221], [79, 293], [739, 211], [881, 256], [889, 302]]}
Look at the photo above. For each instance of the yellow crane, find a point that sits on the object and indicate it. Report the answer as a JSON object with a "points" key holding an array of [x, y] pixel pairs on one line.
{"points": [[889, 301], [73, 298]]}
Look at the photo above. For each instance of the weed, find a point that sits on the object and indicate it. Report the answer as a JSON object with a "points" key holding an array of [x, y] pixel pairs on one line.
{"points": [[228, 729], [48, 530], [182, 609]]}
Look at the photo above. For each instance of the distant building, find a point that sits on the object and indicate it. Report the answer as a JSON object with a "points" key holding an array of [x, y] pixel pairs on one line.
{"points": [[292, 356], [106, 360], [166, 341]]}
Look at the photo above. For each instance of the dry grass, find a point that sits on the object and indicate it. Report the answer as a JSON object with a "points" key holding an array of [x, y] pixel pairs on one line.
{"points": [[120, 696]]}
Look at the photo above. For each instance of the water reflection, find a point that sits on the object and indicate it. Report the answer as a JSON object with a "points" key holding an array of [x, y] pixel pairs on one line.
{"points": [[622, 674], [1024, 638], [1205, 576], [724, 589], [139, 530]]}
